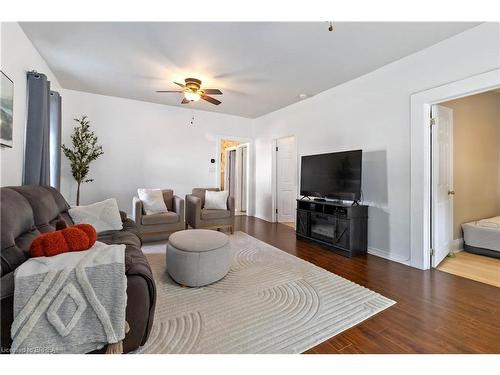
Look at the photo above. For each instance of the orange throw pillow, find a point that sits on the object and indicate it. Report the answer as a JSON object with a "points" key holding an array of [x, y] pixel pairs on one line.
{"points": [[75, 238]]}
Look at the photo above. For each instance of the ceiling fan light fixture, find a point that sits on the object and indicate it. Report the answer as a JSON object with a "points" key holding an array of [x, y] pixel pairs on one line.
{"points": [[193, 92], [192, 96]]}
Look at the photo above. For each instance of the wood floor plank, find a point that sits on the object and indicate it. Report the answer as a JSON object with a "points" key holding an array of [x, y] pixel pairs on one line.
{"points": [[365, 341], [436, 312], [339, 342], [472, 266], [323, 348]]}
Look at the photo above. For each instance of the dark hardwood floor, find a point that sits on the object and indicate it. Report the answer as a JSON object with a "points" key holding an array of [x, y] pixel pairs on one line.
{"points": [[436, 312]]}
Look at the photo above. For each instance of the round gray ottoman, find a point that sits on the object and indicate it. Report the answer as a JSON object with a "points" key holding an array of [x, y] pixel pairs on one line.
{"points": [[198, 257]]}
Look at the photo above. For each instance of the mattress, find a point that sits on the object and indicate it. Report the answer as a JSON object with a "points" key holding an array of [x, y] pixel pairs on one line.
{"points": [[483, 234]]}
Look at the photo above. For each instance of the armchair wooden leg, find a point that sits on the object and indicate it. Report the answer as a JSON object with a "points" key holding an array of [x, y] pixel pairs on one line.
{"points": [[232, 229], [187, 225]]}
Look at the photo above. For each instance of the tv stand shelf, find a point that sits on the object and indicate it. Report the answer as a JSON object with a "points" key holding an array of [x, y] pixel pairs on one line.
{"points": [[339, 227]]}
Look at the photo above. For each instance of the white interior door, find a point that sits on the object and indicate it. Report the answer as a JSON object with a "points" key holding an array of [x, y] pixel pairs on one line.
{"points": [[285, 179], [442, 182]]}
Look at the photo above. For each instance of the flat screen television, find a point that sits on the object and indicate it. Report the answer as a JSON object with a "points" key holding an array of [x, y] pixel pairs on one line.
{"points": [[335, 175]]}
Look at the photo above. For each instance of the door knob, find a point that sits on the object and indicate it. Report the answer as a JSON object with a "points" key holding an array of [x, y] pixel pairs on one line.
{"points": [[451, 192]]}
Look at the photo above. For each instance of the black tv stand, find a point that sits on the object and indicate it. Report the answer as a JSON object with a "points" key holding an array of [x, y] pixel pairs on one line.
{"points": [[319, 199], [340, 227]]}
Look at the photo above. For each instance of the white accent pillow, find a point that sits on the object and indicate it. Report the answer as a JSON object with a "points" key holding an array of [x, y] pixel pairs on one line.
{"points": [[102, 216], [216, 200], [152, 201]]}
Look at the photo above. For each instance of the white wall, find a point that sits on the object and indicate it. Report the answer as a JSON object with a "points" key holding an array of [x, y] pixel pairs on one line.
{"points": [[145, 145], [372, 113], [18, 56]]}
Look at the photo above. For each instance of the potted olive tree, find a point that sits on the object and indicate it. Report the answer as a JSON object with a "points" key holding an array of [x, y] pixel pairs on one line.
{"points": [[84, 150]]}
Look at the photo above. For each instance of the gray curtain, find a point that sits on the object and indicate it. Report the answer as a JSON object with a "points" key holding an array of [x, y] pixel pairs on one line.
{"points": [[55, 140], [42, 150], [36, 148]]}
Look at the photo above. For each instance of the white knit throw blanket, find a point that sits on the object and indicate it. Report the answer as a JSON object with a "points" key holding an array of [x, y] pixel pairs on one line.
{"points": [[70, 303]]}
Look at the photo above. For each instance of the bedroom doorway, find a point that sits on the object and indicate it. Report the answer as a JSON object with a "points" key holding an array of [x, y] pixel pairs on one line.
{"points": [[465, 187]]}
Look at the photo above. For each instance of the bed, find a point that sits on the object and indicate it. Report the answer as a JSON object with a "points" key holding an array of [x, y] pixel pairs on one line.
{"points": [[483, 237]]}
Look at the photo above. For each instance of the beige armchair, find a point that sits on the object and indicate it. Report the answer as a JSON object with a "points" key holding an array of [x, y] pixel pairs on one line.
{"points": [[198, 217], [158, 226]]}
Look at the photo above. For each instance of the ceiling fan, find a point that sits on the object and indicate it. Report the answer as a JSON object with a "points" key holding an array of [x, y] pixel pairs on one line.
{"points": [[193, 92]]}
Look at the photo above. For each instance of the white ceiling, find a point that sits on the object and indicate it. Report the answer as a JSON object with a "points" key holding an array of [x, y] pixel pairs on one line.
{"points": [[260, 66]]}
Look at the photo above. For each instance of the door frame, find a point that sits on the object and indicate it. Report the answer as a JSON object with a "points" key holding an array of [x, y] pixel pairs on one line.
{"points": [[420, 114], [274, 170]]}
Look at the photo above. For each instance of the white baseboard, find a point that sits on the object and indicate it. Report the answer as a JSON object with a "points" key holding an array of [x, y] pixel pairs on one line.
{"points": [[457, 245], [265, 218], [386, 255]]}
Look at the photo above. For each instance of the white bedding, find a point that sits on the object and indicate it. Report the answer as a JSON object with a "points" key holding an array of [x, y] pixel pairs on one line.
{"points": [[492, 222], [483, 233]]}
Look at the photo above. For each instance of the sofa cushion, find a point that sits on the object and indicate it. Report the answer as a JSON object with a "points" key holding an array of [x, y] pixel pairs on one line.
{"points": [[163, 218], [45, 208], [214, 214], [18, 230], [114, 237]]}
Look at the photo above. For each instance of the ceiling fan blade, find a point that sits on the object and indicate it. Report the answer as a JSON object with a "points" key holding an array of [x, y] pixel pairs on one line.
{"points": [[212, 91], [180, 84], [168, 91], [210, 99], [185, 101]]}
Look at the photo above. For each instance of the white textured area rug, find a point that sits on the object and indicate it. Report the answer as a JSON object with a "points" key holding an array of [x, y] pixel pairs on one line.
{"points": [[270, 302]]}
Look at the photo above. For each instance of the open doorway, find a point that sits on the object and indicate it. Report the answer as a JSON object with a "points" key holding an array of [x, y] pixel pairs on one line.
{"points": [[465, 187], [234, 169]]}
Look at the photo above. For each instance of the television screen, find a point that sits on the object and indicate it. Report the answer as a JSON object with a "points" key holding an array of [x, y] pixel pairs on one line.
{"points": [[336, 175]]}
